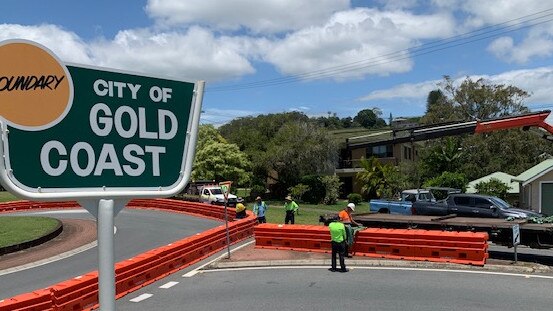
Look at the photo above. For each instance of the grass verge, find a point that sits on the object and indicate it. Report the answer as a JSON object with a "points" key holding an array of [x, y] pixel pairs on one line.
{"points": [[7, 197], [19, 229]]}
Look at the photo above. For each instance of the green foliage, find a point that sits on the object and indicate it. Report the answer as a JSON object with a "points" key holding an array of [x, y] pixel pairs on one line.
{"points": [[332, 186], [440, 156], [368, 119], [217, 160], [379, 179], [510, 151], [355, 198], [493, 187], [317, 190], [257, 191], [448, 179], [298, 191], [300, 149]]}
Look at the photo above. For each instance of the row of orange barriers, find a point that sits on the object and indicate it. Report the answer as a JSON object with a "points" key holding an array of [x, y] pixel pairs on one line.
{"points": [[408, 244], [81, 293]]}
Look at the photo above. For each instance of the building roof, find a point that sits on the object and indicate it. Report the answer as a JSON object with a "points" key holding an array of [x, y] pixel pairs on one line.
{"points": [[503, 177], [535, 172]]}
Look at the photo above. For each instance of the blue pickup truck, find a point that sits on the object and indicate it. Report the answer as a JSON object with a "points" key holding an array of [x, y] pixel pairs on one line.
{"points": [[404, 204]]}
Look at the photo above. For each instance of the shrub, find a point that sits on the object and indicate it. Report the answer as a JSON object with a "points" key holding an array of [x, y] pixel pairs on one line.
{"points": [[298, 191], [317, 191], [332, 189], [257, 190], [355, 198], [493, 187]]}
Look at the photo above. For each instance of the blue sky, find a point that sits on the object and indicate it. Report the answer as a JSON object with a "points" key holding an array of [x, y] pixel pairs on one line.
{"points": [[269, 56]]}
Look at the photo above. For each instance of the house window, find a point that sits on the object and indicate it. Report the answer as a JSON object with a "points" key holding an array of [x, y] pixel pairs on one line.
{"points": [[407, 153], [382, 151]]}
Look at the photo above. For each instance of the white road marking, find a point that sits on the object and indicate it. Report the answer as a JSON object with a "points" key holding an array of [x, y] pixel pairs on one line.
{"points": [[529, 276], [168, 285], [141, 298], [195, 271], [54, 258]]}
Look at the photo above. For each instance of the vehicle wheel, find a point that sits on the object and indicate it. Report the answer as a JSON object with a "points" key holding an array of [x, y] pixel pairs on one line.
{"points": [[384, 211]]}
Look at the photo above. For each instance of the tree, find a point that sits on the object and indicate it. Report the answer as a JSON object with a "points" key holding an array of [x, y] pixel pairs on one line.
{"points": [[300, 149], [511, 151], [493, 187], [368, 119], [378, 179], [218, 160], [448, 179]]}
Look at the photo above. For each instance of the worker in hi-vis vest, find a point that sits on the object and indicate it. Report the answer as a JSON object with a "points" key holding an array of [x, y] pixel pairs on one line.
{"points": [[338, 241]]}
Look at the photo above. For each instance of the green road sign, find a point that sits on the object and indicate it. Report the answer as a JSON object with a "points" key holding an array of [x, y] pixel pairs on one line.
{"points": [[121, 135]]}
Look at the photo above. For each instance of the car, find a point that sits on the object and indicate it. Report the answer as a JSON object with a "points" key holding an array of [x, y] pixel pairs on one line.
{"points": [[471, 205], [214, 195]]}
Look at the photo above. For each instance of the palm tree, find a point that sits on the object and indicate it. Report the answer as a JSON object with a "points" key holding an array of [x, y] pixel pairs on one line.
{"points": [[376, 178]]}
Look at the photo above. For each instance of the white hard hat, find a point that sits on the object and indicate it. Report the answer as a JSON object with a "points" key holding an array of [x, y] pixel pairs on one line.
{"points": [[352, 206]]}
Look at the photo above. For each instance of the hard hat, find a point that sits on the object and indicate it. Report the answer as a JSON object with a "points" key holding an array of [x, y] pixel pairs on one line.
{"points": [[352, 206]]}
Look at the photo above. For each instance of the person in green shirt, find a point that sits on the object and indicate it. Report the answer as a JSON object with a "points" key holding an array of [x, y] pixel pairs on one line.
{"points": [[338, 242], [291, 208]]}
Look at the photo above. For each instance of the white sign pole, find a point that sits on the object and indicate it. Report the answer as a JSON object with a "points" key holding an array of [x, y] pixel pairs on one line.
{"points": [[106, 258], [516, 239]]}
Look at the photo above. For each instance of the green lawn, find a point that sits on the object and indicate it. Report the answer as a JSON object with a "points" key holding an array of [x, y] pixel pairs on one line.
{"points": [[308, 213], [6, 197], [18, 229]]}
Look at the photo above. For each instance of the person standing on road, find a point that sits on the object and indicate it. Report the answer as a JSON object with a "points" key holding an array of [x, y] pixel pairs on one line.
{"points": [[240, 209], [347, 219], [338, 242], [291, 208], [259, 209]]}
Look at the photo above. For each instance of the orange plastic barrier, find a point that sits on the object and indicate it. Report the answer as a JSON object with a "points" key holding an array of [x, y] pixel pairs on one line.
{"points": [[81, 293], [408, 244], [37, 300]]}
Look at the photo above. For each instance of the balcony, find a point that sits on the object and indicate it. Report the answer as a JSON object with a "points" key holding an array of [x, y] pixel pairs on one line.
{"points": [[354, 166]]}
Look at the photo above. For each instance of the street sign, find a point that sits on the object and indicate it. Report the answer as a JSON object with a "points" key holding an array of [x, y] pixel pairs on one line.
{"points": [[72, 131], [516, 234], [225, 188]]}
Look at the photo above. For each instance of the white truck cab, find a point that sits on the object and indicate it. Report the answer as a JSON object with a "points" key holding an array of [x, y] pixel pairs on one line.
{"points": [[214, 195]]}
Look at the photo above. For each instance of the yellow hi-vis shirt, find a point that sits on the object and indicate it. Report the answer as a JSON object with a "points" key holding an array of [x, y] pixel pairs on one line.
{"points": [[337, 231]]}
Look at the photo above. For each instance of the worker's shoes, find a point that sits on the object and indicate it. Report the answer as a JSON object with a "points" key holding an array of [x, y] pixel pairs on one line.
{"points": [[332, 270], [343, 270]]}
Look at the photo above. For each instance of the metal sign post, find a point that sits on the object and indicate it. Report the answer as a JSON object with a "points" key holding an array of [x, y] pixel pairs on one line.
{"points": [[516, 239], [95, 135], [225, 187]]}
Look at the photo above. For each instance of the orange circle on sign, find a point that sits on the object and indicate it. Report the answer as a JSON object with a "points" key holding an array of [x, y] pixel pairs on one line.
{"points": [[36, 90]]}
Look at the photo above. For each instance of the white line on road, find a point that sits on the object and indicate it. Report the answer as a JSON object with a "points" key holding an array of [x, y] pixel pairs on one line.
{"points": [[386, 268], [168, 285], [195, 271], [54, 258], [141, 298]]}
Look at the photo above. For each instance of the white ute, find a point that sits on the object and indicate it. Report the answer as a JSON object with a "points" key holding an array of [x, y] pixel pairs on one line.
{"points": [[214, 195]]}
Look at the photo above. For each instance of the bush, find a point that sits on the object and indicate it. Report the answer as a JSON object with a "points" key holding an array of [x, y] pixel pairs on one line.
{"points": [[257, 190], [317, 191], [493, 187], [298, 191], [332, 186], [355, 198]]}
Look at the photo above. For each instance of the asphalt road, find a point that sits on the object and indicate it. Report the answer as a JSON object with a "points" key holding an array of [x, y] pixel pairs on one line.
{"points": [[137, 231], [315, 288]]}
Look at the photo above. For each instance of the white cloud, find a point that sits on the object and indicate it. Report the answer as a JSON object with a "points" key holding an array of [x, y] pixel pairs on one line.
{"points": [[193, 55], [415, 91], [536, 44], [357, 42], [66, 45], [537, 82], [221, 116], [257, 16]]}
